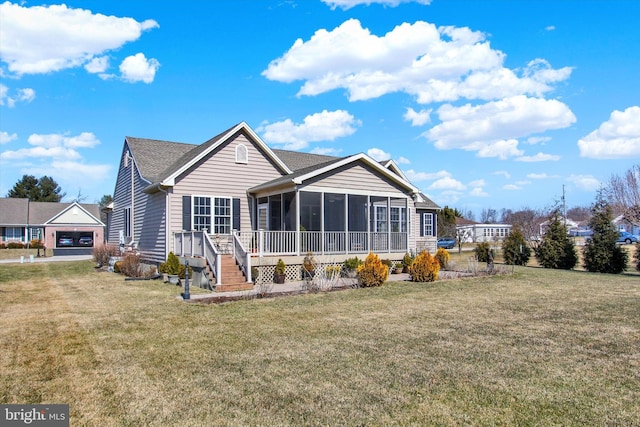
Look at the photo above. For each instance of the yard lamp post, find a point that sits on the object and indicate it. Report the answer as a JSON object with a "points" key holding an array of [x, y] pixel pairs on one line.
{"points": [[186, 294]]}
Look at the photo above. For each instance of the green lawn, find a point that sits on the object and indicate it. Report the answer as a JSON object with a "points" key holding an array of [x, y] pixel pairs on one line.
{"points": [[538, 347]]}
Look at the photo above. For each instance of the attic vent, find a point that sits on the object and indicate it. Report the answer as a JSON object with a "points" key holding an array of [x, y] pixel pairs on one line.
{"points": [[242, 155]]}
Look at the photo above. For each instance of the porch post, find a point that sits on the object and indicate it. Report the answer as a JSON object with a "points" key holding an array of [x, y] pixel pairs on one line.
{"points": [[346, 223], [298, 234], [388, 224], [368, 223], [322, 221]]}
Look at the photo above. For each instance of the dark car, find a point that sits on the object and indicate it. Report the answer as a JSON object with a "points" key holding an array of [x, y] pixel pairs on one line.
{"points": [[65, 241], [85, 241], [628, 238], [447, 242]]}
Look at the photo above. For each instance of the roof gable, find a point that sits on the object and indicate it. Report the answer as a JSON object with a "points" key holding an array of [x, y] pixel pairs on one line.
{"points": [[194, 156], [74, 213]]}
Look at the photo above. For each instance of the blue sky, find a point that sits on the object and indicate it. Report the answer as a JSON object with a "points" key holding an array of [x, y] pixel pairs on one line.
{"points": [[483, 104]]}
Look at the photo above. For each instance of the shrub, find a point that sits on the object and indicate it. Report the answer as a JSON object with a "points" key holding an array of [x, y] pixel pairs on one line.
{"points": [[171, 266], [425, 268], [388, 263], [332, 271], [515, 249], [352, 263], [372, 272], [442, 255], [15, 245], [601, 252], [636, 256], [407, 262], [556, 250], [3, 246], [482, 251], [102, 253], [36, 244], [130, 265], [309, 263], [280, 267]]}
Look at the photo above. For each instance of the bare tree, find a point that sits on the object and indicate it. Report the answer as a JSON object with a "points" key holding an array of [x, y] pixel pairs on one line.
{"points": [[488, 216], [623, 193], [579, 213], [528, 220]]}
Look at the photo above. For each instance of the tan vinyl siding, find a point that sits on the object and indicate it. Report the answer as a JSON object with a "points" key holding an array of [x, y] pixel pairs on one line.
{"points": [[356, 176], [218, 175], [75, 215], [121, 199], [151, 227]]}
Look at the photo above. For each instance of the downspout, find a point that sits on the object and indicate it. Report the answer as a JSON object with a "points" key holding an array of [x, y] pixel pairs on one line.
{"points": [[166, 221]]}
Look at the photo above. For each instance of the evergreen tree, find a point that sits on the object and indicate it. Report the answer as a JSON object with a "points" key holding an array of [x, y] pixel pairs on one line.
{"points": [[44, 189], [601, 253], [556, 250], [515, 249], [636, 257]]}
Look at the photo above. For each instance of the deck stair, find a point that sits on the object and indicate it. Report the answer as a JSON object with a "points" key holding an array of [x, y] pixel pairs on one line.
{"points": [[232, 277]]}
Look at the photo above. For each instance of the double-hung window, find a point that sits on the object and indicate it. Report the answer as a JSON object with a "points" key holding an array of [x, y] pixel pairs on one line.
{"points": [[212, 213], [381, 219], [127, 221], [398, 220], [427, 226]]}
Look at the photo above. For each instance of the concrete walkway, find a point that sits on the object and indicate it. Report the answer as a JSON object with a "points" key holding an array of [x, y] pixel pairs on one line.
{"points": [[275, 289], [27, 260]]}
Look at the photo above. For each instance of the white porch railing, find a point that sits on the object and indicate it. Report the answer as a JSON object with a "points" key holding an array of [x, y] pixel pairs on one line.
{"points": [[198, 243], [273, 243]]}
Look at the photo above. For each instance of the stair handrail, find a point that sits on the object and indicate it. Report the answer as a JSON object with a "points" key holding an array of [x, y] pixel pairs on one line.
{"points": [[213, 257], [242, 256]]}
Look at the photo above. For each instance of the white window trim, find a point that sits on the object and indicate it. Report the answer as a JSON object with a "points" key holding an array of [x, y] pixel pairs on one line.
{"points": [[424, 224], [239, 158], [212, 215]]}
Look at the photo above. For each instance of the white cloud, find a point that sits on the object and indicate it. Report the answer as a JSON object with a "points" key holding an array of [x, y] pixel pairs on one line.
{"points": [[418, 118], [22, 95], [478, 192], [378, 154], [326, 151], [447, 183], [348, 4], [491, 129], [414, 176], [584, 182], [434, 64], [323, 126], [540, 157], [617, 138], [550, 27], [97, 65], [53, 146], [138, 68], [478, 183], [5, 137], [403, 161], [541, 176], [537, 139], [511, 187], [59, 37], [506, 174]]}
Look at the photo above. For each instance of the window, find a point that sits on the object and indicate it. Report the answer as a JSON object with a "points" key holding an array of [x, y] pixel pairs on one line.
{"points": [[13, 233], [222, 215], [427, 226], [127, 221], [381, 219], [212, 214], [398, 220], [242, 155], [201, 213]]}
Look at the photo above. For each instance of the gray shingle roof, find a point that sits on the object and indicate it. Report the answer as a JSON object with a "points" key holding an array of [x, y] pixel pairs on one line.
{"points": [[152, 155], [14, 211], [427, 204], [295, 160]]}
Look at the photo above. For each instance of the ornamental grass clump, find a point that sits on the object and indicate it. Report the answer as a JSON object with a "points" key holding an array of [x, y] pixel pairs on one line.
{"points": [[373, 272], [425, 268], [442, 255]]}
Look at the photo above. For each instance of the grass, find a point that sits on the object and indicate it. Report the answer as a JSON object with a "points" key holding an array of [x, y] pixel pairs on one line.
{"points": [[538, 347]]}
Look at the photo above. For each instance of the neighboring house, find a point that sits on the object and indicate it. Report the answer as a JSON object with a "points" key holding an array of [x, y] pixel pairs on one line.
{"points": [[67, 228], [624, 224], [573, 227], [234, 194], [475, 232]]}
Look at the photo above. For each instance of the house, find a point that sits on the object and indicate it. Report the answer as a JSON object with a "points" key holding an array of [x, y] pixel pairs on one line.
{"points": [[67, 228], [475, 232], [624, 224], [234, 197]]}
